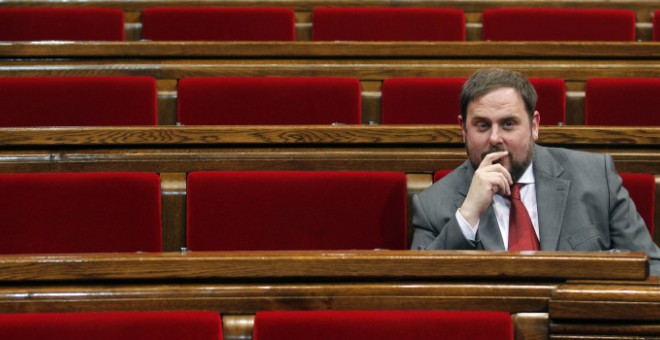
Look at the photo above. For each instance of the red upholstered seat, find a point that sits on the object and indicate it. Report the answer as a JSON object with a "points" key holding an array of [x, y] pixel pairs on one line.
{"points": [[436, 100], [77, 101], [112, 326], [296, 210], [622, 101], [388, 24], [558, 24], [269, 101], [641, 188], [80, 24], [79, 212], [218, 24], [382, 325], [439, 174], [421, 100]]}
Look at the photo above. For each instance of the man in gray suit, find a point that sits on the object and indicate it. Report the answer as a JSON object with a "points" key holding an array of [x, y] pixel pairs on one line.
{"points": [[574, 199]]}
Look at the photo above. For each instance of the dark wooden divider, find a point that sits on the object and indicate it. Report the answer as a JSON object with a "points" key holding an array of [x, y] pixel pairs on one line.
{"points": [[238, 284]]}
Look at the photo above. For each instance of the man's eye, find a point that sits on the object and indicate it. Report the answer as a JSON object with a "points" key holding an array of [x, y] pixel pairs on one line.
{"points": [[482, 126], [509, 124]]}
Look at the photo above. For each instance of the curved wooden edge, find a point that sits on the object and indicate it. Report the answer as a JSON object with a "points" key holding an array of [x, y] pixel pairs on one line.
{"points": [[302, 49], [353, 265], [345, 134]]}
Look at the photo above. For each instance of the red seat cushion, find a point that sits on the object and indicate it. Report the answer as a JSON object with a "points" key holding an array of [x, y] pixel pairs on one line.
{"points": [[421, 100], [382, 325], [218, 24], [112, 326], [436, 100], [80, 212], [641, 188], [30, 24], [292, 210], [622, 101], [78, 101], [551, 102], [558, 24], [439, 174], [388, 24], [269, 101]]}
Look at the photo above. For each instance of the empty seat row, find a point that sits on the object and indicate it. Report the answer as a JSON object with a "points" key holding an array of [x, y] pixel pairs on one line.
{"points": [[226, 210], [328, 24], [132, 100], [268, 325]]}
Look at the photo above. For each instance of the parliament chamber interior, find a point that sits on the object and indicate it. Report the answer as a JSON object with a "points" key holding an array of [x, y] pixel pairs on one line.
{"points": [[245, 169]]}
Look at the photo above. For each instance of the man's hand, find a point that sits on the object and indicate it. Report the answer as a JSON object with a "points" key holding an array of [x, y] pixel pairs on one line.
{"points": [[489, 179]]}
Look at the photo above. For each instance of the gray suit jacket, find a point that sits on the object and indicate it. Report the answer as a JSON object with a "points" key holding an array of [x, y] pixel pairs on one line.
{"points": [[582, 206]]}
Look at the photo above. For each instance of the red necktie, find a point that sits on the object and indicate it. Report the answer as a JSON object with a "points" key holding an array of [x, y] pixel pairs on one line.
{"points": [[521, 231]]}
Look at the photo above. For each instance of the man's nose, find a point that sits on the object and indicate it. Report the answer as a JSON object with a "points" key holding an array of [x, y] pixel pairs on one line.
{"points": [[495, 137]]}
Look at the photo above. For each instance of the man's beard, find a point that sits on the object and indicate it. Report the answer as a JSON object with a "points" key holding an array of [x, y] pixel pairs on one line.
{"points": [[517, 168]]}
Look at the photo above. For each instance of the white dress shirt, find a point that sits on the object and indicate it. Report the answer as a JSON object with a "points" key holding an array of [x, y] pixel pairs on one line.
{"points": [[502, 207]]}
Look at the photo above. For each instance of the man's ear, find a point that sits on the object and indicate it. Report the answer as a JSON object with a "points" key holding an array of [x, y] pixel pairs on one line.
{"points": [[536, 122], [462, 125]]}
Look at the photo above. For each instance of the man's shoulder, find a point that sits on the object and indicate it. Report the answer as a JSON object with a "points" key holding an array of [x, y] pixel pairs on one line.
{"points": [[564, 155]]}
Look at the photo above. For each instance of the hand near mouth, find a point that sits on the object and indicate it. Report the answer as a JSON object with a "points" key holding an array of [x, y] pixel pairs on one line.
{"points": [[489, 179]]}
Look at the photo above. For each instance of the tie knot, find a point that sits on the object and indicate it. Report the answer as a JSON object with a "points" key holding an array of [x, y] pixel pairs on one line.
{"points": [[515, 191]]}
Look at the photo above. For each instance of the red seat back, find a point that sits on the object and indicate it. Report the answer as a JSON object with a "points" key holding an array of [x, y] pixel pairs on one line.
{"points": [[112, 326], [218, 24], [558, 24], [388, 24], [269, 101], [78, 101], [80, 24], [295, 210], [622, 101], [641, 188], [437, 100], [382, 325], [439, 174], [421, 100], [80, 212]]}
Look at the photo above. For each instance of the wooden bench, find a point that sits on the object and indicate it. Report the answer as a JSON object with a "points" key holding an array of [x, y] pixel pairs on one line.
{"points": [[172, 151], [303, 9], [239, 284], [345, 60]]}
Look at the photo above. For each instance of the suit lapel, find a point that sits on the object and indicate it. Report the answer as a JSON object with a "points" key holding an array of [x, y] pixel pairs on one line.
{"points": [[551, 197], [489, 231]]}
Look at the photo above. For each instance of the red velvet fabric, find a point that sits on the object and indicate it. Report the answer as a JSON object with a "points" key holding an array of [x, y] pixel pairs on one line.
{"points": [[641, 188], [436, 100], [269, 101], [296, 210], [112, 326], [79, 212], [77, 101], [218, 24], [622, 101], [558, 24], [388, 24], [551, 103], [439, 174], [421, 100], [79, 24], [382, 325]]}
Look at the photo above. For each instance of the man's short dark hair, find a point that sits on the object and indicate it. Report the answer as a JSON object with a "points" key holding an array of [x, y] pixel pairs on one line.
{"points": [[484, 81]]}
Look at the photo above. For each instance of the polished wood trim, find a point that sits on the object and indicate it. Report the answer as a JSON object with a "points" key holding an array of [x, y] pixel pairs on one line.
{"points": [[307, 49], [364, 265], [296, 134], [246, 298]]}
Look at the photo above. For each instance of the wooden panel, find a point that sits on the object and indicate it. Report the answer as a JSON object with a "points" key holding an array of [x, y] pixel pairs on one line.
{"points": [[383, 265], [333, 50], [250, 298]]}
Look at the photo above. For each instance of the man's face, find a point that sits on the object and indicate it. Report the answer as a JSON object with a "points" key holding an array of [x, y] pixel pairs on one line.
{"points": [[498, 121]]}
